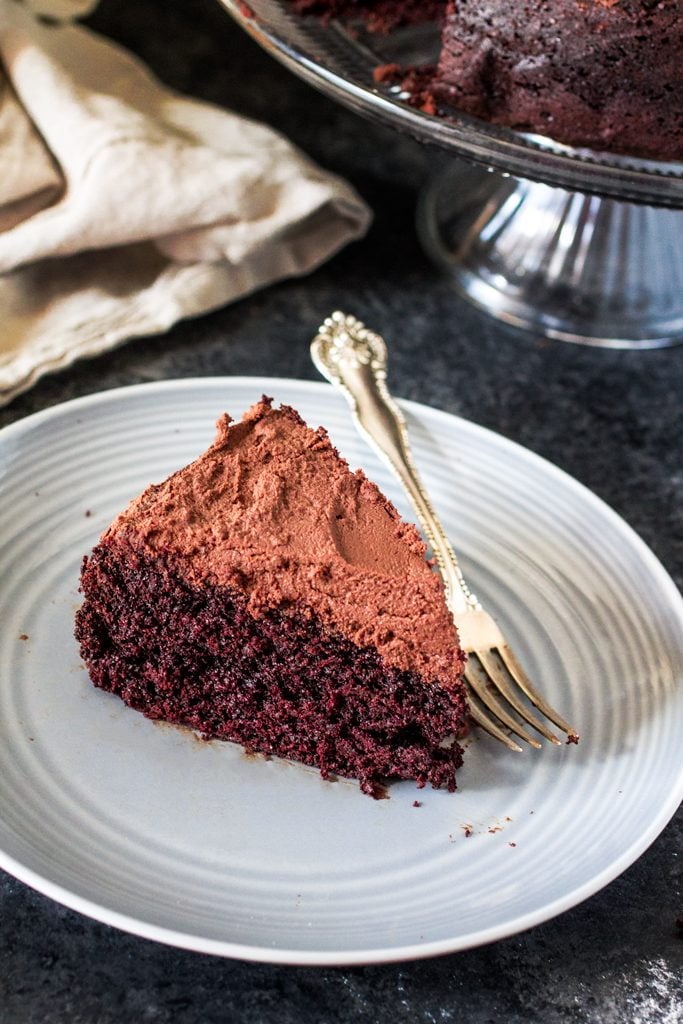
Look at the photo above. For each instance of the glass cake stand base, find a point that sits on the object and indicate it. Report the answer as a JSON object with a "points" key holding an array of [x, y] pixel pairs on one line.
{"points": [[563, 264]]}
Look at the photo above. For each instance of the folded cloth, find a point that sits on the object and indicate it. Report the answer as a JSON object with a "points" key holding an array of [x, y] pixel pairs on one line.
{"points": [[125, 207]]}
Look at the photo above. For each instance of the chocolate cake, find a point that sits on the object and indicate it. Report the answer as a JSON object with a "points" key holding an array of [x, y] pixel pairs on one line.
{"points": [[601, 73], [268, 595], [605, 74]]}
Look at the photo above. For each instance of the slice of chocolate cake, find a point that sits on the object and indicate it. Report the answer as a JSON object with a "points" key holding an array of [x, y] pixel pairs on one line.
{"points": [[266, 594]]}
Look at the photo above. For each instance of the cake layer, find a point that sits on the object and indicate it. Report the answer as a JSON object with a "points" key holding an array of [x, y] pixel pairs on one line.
{"points": [[279, 684]]}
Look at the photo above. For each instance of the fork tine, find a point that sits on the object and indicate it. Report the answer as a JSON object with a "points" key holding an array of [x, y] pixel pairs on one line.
{"points": [[477, 678], [501, 678], [485, 723], [523, 681]]}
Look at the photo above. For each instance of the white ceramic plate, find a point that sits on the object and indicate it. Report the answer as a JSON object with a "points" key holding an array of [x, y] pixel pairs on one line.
{"points": [[195, 844]]}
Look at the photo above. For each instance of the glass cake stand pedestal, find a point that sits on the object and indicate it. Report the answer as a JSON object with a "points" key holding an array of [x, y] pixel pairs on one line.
{"points": [[564, 264], [573, 244]]}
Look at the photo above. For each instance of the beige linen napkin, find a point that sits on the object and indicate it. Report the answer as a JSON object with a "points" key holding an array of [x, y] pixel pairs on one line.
{"points": [[125, 207]]}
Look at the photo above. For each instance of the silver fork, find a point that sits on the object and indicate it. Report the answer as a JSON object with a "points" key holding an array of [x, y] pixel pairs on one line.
{"points": [[354, 359]]}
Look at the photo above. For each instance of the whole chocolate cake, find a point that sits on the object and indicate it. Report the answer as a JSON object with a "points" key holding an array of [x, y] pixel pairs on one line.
{"points": [[266, 594], [601, 73], [605, 74]]}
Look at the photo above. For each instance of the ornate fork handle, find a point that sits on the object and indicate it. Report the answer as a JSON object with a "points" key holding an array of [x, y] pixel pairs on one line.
{"points": [[354, 359]]}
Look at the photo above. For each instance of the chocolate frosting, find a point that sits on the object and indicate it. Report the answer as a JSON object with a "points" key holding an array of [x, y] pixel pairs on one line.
{"points": [[272, 510]]}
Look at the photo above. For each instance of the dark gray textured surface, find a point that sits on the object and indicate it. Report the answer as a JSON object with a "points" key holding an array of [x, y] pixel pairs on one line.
{"points": [[612, 419]]}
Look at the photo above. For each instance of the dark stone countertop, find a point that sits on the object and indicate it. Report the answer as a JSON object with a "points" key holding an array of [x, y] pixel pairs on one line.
{"points": [[612, 419]]}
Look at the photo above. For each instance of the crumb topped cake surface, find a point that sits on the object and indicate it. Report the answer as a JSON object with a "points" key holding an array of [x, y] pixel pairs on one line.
{"points": [[604, 74]]}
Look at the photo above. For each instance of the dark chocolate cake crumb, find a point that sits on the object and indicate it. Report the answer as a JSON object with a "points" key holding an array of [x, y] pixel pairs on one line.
{"points": [[199, 659]]}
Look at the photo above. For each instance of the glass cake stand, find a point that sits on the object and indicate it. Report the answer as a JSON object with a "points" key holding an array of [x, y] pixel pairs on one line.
{"points": [[570, 243]]}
